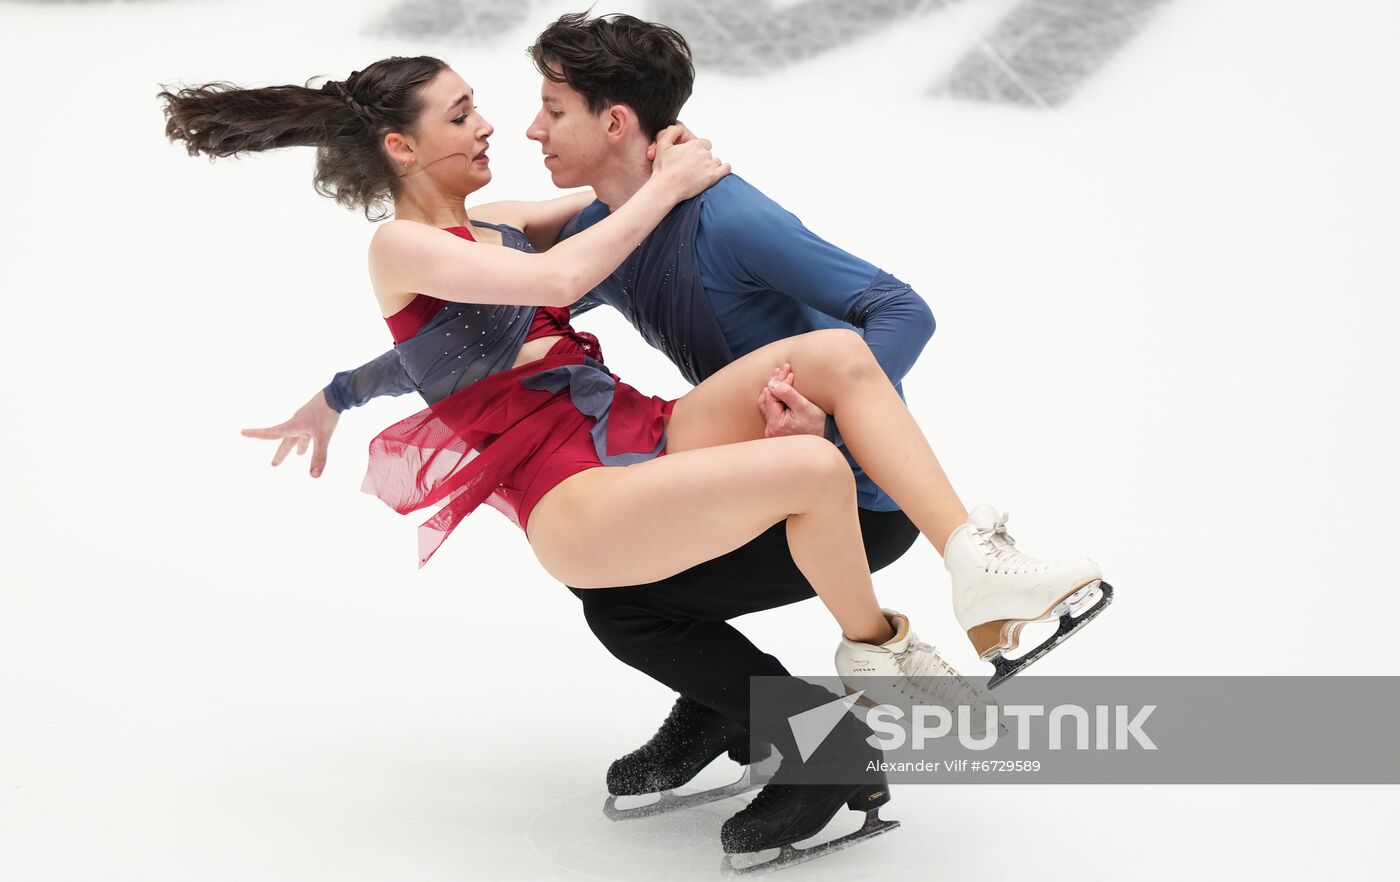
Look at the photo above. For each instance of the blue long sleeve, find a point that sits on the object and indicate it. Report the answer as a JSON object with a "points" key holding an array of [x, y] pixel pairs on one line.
{"points": [[897, 324], [382, 376], [752, 249]]}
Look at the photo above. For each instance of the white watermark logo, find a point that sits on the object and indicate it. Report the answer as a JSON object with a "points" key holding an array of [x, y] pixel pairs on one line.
{"points": [[811, 727], [1100, 727]]}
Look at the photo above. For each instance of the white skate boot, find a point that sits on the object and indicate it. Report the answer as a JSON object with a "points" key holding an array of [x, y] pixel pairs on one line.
{"points": [[997, 590], [905, 672]]}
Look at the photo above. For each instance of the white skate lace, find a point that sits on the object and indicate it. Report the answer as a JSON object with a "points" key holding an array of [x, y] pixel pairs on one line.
{"points": [[921, 660], [1001, 549]]}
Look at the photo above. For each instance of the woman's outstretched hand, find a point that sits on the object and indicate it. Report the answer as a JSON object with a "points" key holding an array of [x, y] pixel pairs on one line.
{"points": [[313, 423], [684, 164], [785, 411]]}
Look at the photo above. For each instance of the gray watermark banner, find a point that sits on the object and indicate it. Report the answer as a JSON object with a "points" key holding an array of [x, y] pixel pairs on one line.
{"points": [[1083, 730]]}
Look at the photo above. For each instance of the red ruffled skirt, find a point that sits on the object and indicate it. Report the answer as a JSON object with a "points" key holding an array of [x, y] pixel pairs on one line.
{"points": [[499, 442]]}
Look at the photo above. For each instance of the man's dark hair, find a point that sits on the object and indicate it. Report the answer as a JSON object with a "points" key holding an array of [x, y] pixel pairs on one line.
{"points": [[619, 59]]}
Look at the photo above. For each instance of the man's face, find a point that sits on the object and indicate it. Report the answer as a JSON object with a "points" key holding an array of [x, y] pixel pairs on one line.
{"points": [[575, 141]]}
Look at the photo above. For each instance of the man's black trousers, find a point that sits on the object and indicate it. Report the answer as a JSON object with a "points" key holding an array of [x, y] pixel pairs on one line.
{"points": [[676, 630]]}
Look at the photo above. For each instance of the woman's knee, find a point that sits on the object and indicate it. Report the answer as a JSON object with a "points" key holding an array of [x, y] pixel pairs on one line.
{"points": [[842, 352], [818, 466]]}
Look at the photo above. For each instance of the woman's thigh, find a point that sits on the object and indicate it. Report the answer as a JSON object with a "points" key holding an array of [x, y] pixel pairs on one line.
{"points": [[724, 408], [615, 526]]}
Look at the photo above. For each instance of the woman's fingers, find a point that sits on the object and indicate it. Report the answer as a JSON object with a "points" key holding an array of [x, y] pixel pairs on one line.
{"points": [[272, 433], [283, 449], [298, 441], [667, 136]]}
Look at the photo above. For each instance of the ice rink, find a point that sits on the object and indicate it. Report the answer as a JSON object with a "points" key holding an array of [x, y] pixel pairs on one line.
{"points": [[1160, 240]]}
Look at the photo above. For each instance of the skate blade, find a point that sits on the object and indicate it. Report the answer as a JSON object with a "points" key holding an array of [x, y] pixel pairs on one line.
{"points": [[789, 855], [754, 777], [1006, 668], [1009, 632]]}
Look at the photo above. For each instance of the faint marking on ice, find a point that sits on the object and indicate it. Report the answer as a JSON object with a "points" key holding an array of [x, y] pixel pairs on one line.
{"points": [[756, 37], [1044, 50], [481, 22], [1038, 55]]}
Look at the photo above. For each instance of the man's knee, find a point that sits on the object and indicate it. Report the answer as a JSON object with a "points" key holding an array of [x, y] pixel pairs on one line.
{"points": [[628, 631], [887, 535]]}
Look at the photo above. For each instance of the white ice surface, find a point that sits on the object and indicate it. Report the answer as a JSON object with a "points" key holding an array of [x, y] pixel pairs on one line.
{"points": [[1166, 340]]}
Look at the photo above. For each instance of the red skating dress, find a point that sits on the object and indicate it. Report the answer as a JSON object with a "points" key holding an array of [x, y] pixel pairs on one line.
{"points": [[510, 438]]}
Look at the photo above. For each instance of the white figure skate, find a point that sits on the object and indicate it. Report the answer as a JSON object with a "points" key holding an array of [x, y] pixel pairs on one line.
{"points": [[905, 672], [997, 590]]}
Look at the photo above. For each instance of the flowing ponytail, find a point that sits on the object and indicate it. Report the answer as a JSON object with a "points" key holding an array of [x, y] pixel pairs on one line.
{"points": [[345, 121]]}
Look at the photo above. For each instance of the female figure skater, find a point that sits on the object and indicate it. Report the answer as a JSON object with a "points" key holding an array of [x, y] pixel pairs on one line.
{"points": [[523, 414]]}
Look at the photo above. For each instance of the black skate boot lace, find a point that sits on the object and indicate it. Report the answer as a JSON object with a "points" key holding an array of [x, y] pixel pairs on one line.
{"points": [[763, 801], [678, 728]]}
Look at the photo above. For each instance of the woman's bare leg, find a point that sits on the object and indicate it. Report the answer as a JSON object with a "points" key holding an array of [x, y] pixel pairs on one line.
{"points": [[835, 370], [639, 524]]}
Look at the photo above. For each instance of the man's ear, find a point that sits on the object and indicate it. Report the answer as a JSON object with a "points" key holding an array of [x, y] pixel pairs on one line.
{"points": [[621, 121]]}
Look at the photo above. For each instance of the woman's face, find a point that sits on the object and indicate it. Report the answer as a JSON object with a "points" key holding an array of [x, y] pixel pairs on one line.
{"points": [[450, 146]]}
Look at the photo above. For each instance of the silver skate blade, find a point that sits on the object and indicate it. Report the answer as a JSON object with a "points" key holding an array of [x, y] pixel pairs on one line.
{"points": [[754, 777], [788, 855], [1006, 668]]}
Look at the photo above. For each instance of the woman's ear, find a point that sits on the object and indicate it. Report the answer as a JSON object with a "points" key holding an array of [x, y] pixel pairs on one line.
{"points": [[399, 148]]}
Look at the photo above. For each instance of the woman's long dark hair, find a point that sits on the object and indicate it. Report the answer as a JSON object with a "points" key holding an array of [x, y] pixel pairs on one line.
{"points": [[344, 120]]}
